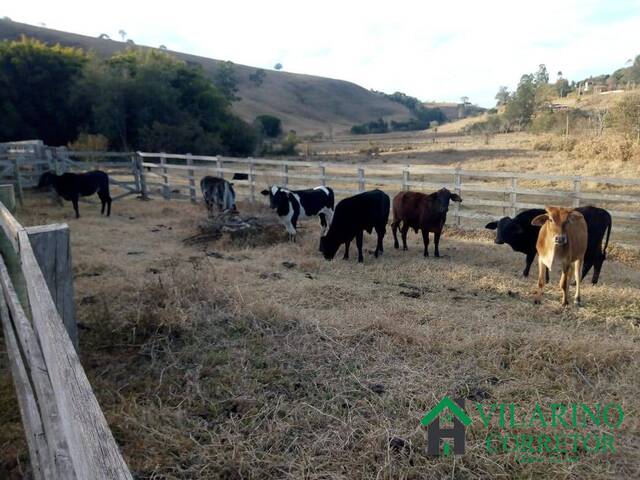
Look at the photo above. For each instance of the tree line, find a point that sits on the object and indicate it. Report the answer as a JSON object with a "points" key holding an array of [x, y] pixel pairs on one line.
{"points": [[135, 99]]}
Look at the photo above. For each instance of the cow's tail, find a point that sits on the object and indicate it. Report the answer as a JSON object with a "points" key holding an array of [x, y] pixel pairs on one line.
{"points": [[606, 242]]}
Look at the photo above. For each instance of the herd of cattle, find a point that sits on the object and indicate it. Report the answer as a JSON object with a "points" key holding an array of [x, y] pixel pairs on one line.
{"points": [[570, 238]]}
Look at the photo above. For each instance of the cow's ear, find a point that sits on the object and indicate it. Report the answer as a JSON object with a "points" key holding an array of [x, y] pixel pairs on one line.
{"points": [[456, 198], [574, 215], [491, 225], [540, 220], [265, 192]]}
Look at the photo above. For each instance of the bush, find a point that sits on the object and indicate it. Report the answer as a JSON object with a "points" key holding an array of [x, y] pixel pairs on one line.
{"points": [[87, 142], [271, 126], [376, 126]]}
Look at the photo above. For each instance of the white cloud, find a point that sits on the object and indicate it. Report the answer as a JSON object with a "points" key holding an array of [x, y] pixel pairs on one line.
{"points": [[437, 51]]}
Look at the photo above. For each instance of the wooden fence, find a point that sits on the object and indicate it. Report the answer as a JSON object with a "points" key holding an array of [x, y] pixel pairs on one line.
{"points": [[67, 434], [486, 195]]}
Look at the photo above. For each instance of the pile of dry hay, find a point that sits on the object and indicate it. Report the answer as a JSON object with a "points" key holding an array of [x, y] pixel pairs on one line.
{"points": [[242, 231]]}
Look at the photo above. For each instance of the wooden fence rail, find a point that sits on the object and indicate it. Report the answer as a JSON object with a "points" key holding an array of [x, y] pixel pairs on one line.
{"points": [[66, 431], [487, 195]]}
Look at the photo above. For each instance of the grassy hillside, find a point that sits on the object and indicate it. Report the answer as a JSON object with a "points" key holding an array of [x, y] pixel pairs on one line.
{"points": [[305, 103]]}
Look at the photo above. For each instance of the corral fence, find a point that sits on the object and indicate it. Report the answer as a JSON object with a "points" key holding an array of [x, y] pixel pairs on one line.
{"points": [[487, 195], [66, 432]]}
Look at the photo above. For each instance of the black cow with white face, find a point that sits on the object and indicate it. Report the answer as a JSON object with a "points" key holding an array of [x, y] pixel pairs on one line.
{"points": [[293, 205], [521, 236]]}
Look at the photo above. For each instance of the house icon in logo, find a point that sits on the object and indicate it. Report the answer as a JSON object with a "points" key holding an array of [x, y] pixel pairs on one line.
{"points": [[449, 410]]}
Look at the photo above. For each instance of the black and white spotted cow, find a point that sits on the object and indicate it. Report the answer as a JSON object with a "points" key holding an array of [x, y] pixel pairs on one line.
{"points": [[292, 206], [218, 192]]}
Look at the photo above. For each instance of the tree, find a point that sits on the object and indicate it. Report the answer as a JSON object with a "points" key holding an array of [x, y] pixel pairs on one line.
{"points": [[271, 126], [225, 79], [522, 104], [122, 34], [258, 76], [162, 47], [503, 96], [104, 36], [36, 87], [541, 76], [464, 100], [278, 66]]}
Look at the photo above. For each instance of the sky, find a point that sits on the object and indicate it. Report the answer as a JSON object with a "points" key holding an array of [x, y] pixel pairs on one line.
{"points": [[431, 50]]}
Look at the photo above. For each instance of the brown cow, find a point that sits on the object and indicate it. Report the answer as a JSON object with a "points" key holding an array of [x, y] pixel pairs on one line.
{"points": [[562, 239], [421, 212]]}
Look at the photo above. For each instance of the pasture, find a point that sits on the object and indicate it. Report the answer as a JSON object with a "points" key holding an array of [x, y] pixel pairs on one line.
{"points": [[240, 359]]}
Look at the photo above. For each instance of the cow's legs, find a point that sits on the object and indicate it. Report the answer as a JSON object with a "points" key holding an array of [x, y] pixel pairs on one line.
{"points": [[323, 224], [346, 250], [436, 242], [425, 241], [564, 284], [105, 198], [405, 229], [74, 200], [379, 245], [527, 265], [359, 246], [542, 268], [394, 230], [577, 267], [586, 266], [597, 266]]}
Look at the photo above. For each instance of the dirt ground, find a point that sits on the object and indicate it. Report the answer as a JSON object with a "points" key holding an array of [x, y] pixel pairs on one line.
{"points": [[225, 360]]}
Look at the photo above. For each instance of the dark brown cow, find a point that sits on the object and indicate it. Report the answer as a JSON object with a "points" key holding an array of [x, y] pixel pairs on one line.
{"points": [[421, 212]]}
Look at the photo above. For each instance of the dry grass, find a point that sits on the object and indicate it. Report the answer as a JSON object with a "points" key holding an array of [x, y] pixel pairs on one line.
{"points": [[220, 361]]}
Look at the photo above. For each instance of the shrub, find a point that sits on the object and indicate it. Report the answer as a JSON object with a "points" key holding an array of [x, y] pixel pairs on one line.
{"points": [[271, 126]]}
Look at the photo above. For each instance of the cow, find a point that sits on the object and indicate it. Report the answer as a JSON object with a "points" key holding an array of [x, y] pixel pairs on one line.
{"points": [[562, 240], [353, 215], [293, 205], [419, 211], [72, 186], [218, 192], [521, 236]]}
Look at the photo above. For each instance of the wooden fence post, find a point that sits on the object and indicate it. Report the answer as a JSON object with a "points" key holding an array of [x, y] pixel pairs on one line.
{"points": [[219, 167], [165, 177], [360, 179], [576, 191], [405, 178], [323, 176], [16, 167], [8, 197], [457, 182], [135, 172], [285, 175], [143, 176], [513, 196], [51, 246], [252, 181], [192, 180]]}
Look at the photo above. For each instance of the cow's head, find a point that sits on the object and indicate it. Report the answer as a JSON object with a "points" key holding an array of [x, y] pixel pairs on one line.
{"points": [[444, 196], [278, 197], [556, 221], [328, 247], [507, 230], [46, 180]]}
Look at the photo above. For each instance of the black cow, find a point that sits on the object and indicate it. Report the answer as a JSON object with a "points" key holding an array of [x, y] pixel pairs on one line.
{"points": [[72, 186], [217, 191], [292, 206], [354, 215], [518, 233]]}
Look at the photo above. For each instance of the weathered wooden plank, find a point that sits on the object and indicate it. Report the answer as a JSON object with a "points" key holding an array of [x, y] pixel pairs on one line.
{"points": [[31, 421], [58, 448], [51, 246], [93, 450]]}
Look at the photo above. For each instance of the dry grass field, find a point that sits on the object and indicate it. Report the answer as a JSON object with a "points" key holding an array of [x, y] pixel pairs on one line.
{"points": [[263, 360]]}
